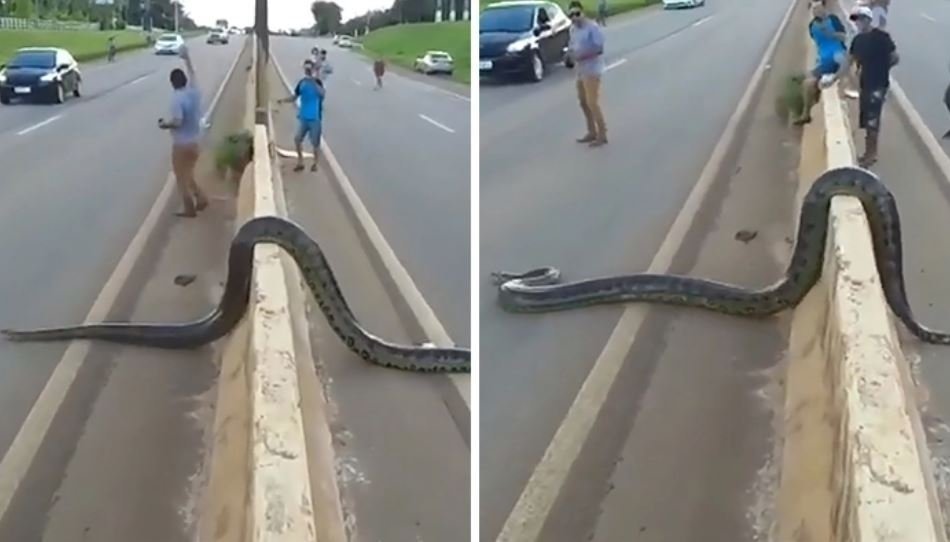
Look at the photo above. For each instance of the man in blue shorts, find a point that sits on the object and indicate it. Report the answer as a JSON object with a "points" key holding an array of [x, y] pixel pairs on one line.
{"points": [[828, 33], [310, 91]]}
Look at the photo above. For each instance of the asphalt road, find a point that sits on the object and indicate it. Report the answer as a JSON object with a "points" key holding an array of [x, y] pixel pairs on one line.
{"points": [[77, 182], [407, 151], [674, 79]]}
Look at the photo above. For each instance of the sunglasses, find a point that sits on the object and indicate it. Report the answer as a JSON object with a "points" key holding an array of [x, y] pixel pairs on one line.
{"points": [[574, 14]]}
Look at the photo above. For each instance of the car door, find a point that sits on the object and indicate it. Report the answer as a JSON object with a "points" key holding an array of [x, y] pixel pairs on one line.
{"points": [[545, 37], [561, 28]]}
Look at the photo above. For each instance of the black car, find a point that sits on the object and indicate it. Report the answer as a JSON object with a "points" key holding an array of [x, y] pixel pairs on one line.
{"points": [[40, 73], [521, 37]]}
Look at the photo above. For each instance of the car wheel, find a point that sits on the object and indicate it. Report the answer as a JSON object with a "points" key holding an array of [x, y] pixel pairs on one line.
{"points": [[537, 67], [76, 90], [59, 95], [4, 99]]}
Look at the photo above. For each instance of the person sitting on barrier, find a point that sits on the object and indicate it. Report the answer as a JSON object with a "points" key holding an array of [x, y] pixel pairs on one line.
{"points": [[310, 91], [875, 54], [829, 34]]}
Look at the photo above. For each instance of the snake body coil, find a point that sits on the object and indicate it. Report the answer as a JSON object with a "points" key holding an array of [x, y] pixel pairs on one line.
{"points": [[234, 303], [537, 290]]}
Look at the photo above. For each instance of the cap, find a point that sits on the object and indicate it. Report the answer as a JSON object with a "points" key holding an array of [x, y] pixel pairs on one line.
{"points": [[861, 11]]}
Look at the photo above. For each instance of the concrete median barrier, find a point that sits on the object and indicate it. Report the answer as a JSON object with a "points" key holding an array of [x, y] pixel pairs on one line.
{"points": [[272, 473], [855, 461]]}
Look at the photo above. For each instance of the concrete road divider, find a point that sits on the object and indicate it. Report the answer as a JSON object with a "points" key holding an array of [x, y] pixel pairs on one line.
{"points": [[272, 474], [855, 464]]}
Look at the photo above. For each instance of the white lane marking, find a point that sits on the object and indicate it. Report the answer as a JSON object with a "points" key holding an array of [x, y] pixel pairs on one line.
{"points": [[436, 123], [39, 125], [928, 17], [138, 80], [701, 21], [22, 451], [546, 482], [616, 64]]}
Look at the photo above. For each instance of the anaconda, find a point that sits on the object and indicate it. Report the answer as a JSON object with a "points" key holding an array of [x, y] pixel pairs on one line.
{"points": [[540, 290], [315, 271]]}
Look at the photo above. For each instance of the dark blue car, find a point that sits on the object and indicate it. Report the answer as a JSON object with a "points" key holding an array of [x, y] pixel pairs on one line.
{"points": [[40, 74]]}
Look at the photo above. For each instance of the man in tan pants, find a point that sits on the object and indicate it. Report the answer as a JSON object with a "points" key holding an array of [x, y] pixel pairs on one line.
{"points": [[586, 51], [185, 126]]}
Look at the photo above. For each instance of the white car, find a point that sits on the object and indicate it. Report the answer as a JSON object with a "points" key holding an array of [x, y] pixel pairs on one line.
{"points": [[169, 44], [346, 42], [674, 4], [435, 62]]}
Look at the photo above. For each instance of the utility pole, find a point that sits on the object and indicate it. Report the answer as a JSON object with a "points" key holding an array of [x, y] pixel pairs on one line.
{"points": [[263, 59], [176, 7]]}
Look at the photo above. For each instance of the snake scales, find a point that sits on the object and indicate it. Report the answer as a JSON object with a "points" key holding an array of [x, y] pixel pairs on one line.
{"points": [[234, 303], [538, 290]]}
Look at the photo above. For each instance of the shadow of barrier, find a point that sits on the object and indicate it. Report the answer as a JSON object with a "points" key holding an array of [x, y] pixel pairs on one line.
{"points": [[272, 471], [855, 464]]}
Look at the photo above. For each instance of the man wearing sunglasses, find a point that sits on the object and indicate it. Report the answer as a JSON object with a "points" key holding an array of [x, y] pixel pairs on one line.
{"points": [[585, 52]]}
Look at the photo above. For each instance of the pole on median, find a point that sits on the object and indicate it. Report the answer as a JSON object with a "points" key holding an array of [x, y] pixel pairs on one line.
{"points": [[263, 59]]}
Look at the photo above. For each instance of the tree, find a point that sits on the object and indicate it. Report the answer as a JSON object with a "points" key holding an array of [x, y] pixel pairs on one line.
{"points": [[327, 15], [24, 9]]}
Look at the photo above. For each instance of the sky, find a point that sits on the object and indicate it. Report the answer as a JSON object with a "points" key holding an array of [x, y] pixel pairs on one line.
{"points": [[283, 14]]}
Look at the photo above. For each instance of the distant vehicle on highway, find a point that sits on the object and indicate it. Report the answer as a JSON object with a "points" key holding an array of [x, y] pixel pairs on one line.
{"points": [[521, 37], [169, 44], [435, 62], [675, 4], [40, 73], [218, 35], [345, 41]]}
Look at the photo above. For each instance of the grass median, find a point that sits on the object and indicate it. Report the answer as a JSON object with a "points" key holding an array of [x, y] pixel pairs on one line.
{"points": [[84, 45], [402, 44]]}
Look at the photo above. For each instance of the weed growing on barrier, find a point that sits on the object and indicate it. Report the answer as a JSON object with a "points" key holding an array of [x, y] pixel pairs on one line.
{"points": [[789, 103], [233, 154]]}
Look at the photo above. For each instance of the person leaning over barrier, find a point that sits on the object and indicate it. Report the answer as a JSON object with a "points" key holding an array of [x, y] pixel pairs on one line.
{"points": [[875, 54], [829, 34], [586, 55], [310, 91]]}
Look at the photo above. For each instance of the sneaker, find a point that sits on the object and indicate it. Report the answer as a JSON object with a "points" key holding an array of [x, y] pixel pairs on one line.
{"points": [[589, 138], [851, 93]]}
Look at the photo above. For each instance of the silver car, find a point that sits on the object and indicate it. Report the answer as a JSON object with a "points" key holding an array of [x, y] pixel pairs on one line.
{"points": [[169, 44], [435, 62]]}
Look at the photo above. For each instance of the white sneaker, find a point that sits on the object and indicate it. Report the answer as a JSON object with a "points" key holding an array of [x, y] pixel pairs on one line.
{"points": [[851, 93]]}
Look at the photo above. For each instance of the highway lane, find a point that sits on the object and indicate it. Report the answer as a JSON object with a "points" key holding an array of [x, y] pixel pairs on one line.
{"points": [[676, 79], [407, 151], [72, 194]]}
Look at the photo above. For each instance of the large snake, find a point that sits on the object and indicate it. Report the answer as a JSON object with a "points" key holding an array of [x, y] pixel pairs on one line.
{"points": [[538, 290], [235, 300]]}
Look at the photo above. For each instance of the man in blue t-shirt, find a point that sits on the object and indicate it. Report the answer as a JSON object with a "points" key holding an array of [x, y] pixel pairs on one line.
{"points": [[310, 91], [828, 33]]}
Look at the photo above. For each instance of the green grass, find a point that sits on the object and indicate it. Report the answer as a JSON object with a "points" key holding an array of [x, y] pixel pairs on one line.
{"points": [[402, 44], [614, 7], [84, 45]]}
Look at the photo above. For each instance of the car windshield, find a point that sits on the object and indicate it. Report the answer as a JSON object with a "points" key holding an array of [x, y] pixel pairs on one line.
{"points": [[168, 37], [439, 57], [507, 19], [34, 59]]}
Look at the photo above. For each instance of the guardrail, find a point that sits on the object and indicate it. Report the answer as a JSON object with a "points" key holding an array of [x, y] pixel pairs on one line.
{"points": [[273, 474], [16, 23], [880, 487]]}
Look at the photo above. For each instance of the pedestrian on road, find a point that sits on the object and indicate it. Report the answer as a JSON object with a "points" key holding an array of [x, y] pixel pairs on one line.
{"points": [[311, 92], [586, 54], [829, 34], [875, 54], [185, 128], [602, 12], [379, 69], [111, 48], [324, 68]]}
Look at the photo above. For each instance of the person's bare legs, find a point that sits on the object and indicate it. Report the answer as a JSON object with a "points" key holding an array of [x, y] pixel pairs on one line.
{"points": [[810, 94], [592, 96], [201, 200]]}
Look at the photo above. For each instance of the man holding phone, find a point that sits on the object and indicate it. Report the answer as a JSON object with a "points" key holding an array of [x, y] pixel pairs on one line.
{"points": [[586, 55], [185, 127], [310, 91]]}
